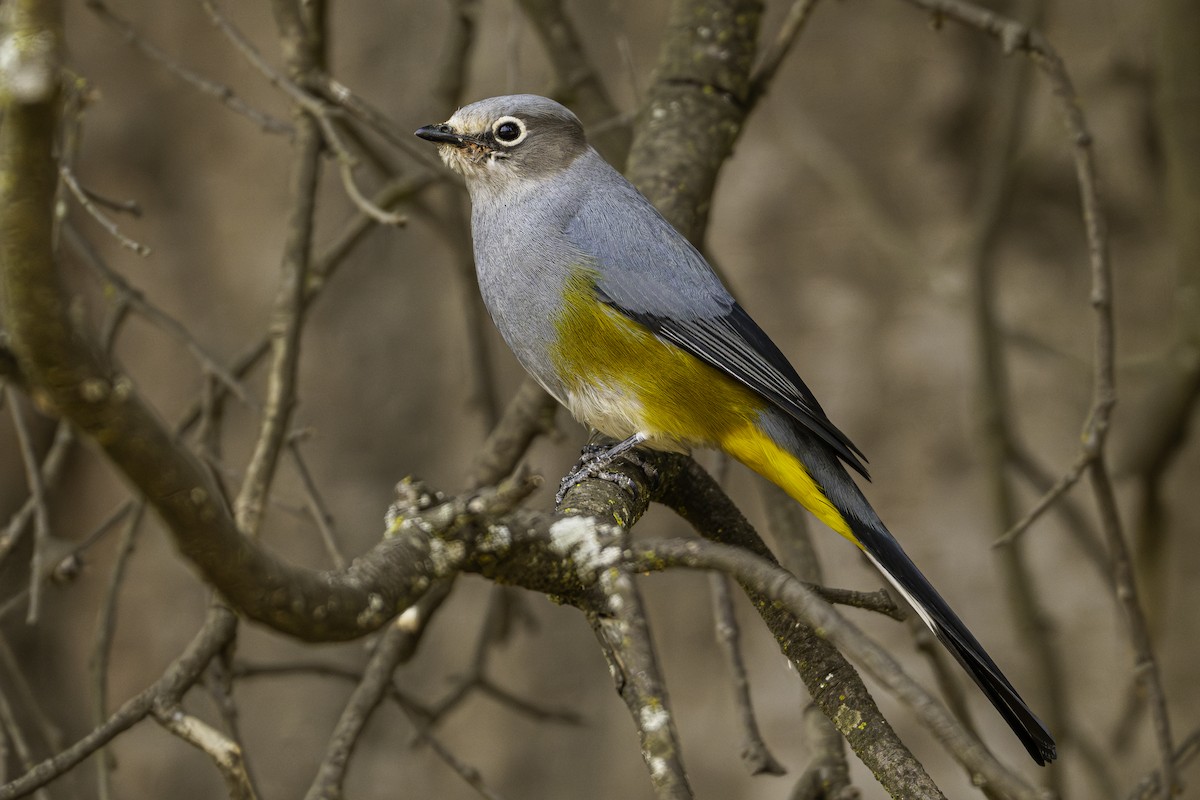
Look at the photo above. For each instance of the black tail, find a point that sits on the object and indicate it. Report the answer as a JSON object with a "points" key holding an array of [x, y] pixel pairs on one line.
{"points": [[885, 552]]}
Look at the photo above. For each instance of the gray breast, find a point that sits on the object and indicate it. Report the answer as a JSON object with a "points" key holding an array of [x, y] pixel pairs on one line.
{"points": [[523, 261]]}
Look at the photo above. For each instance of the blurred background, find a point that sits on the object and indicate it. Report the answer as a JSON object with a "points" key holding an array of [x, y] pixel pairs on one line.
{"points": [[847, 222]]}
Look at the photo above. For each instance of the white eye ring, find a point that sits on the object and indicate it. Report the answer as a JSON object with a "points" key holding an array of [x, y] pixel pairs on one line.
{"points": [[505, 121]]}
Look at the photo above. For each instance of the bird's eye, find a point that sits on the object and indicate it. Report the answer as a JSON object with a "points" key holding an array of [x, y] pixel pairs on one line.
{"points": [[509, 131]]}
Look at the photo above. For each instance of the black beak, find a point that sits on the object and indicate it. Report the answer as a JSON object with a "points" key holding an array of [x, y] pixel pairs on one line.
{"points": [[441, 134]]}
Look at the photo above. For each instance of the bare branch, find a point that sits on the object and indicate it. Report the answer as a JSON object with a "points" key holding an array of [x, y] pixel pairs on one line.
{"points": [[397, 645], [577, 83], [317, 110], [66, 561], [1016, 37], [102, 643], [469, 774], [491, 633], [529, 414], [137, 301], [183, 672], [340, 94], [316, 506], [755, 754], [527, 708], [1152, 785], [219, 91], [94, 211], [12, 731], [773, 55], [766, 579], [41, 516], [226, 755], [303, 48], [1048, 500]]}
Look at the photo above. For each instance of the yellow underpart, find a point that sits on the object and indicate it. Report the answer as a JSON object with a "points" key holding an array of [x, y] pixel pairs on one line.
{"points": [[759, 452], [634, 382]]}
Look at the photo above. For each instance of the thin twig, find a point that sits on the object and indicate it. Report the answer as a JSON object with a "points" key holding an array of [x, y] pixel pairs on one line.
{"points": [[255, 58], [316, 506], [219, 91], [41, 516], [72, 555], [988, 210], [470, 775], [453, 71], [876, 223], [577, 82], [1086, 540], [346, 166], [1146, 667], [878, 601], [12, 664], [8, 724], [287, 321], [491, 632], [450, 222], [138, 302], [131, 207], [1151, 786], [755, 754], [51, 468], [398, 644], [526, 707], [772, 57], [528, 415], [184, 671], [318, 112], [102, 641], [91, 208], [948, 682], [341, 95], [218, 683], [226, 755], [1044, 503]]}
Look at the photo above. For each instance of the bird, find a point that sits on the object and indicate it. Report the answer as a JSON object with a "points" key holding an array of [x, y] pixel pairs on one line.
{"points": [[624, 322]]}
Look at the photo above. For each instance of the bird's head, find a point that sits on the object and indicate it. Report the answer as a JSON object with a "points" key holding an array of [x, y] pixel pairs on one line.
{"points": [[503, 140]]}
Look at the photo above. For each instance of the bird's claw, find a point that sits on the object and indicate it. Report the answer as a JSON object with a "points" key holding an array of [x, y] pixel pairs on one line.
{"points": [[592, 464], [587, 472]]}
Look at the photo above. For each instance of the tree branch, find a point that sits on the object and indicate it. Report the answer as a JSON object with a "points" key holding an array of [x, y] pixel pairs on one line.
{"points": [[695, 109], [397, 645], [1016, 37], [577, 83], [303, 47], [216, 633]]}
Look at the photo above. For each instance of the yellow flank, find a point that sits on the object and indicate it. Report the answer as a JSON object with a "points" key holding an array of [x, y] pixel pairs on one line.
{"points": [[621, 379], [759, 452]]}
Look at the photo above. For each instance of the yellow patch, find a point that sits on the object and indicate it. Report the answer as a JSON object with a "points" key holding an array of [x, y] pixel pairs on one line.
{"points": [[760, 453], [621, 379]]}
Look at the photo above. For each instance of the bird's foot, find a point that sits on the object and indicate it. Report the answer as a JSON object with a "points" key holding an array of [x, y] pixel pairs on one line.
{"points": [[593, 463]]}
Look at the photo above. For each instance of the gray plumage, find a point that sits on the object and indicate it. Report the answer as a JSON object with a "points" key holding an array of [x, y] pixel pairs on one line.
{"points": [[547, 208]]}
